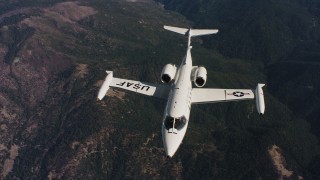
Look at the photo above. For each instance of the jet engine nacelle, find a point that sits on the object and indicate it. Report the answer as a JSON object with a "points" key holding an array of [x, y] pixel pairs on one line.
{"points": [[168, 73], [200, 77], [260, 99]]}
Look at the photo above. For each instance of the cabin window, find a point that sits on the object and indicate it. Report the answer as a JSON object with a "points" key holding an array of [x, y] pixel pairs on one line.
{"points": [[177, 123]]}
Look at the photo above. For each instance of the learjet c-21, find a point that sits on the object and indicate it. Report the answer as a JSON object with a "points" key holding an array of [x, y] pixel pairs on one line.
{"points": [[177, 90]]}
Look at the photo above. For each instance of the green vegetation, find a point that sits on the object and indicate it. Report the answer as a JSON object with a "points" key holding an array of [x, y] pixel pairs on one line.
{"points": [[283, 38], [16, 41], [265, 31], [118, 139]]}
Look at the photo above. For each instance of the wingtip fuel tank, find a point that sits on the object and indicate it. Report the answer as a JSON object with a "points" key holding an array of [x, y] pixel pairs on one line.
{"points": [[105, 86], [260, 99]]}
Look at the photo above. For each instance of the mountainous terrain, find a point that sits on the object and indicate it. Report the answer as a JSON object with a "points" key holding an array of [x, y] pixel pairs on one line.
{"points": [[53, 57], [283, 35]]}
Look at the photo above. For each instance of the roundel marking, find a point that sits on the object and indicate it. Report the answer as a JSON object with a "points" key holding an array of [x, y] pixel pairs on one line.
{"points": [[238, 94]]}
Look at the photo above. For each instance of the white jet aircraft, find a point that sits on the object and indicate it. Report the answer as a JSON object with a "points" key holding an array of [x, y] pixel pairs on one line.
{"points": [[179, 93]]}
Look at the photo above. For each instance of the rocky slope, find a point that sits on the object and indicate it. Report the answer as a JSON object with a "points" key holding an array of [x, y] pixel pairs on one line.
{"points": [[51, 125], [53, 58]]}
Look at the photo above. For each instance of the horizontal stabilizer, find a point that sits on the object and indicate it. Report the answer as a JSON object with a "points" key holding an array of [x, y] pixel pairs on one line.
{"points": [[201, 32], [182, 31], [191, 32]]}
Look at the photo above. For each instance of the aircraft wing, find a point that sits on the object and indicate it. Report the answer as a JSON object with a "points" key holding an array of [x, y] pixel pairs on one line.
{"points": [[155, 90], [207, 95]]}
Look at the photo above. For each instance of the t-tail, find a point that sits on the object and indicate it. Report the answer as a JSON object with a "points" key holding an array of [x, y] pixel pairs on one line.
{"points": [[191, 32]]}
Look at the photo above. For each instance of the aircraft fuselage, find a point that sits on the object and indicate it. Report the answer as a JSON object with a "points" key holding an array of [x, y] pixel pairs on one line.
{"points": [[177, 111], [179, 94]]}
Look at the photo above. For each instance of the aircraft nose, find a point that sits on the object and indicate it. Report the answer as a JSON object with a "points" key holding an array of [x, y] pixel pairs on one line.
{"points": [[170, 151], [171, 143]]}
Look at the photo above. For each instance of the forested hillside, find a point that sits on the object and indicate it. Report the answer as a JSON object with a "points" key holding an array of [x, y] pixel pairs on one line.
{"points": [[53, 57]]}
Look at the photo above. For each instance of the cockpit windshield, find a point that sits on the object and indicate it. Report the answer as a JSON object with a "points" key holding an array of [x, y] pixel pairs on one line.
{"points": [[177, 123]]}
